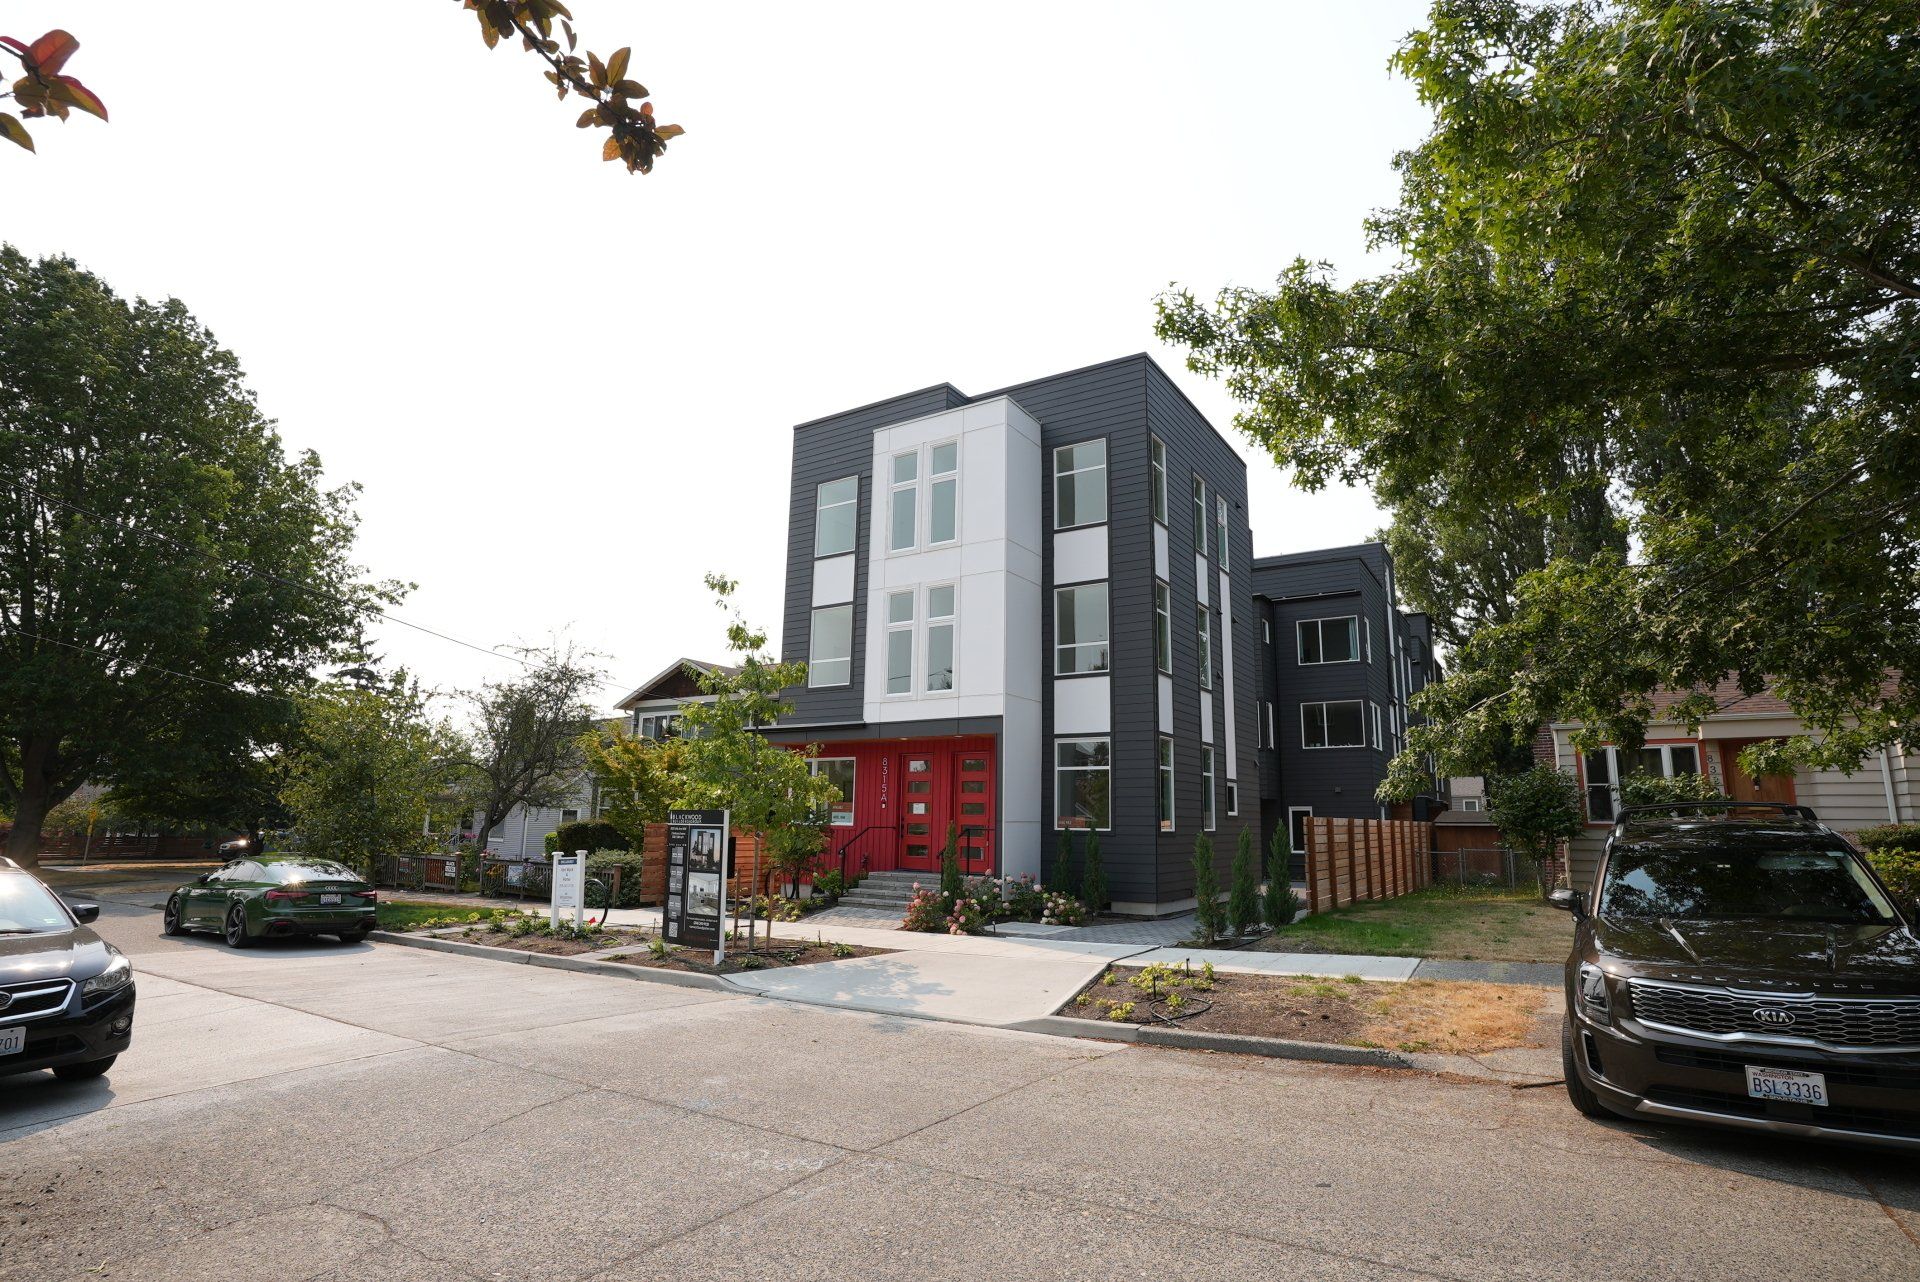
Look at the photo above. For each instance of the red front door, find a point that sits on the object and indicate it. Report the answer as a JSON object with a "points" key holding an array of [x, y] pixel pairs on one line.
{"points": [[973, 810], [923, 809]]}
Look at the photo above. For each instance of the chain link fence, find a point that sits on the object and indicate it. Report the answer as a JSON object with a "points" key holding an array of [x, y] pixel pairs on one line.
{"points": [[1485, 866]]}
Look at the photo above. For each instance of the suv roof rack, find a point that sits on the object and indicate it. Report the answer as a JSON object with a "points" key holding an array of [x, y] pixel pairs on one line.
{"points": [[1787, 809]]}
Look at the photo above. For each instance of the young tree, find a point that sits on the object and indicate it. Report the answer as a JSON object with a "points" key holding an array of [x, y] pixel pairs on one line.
{"points": [[1279, 901], [527, 730], [1206, 892], [639, 779], [1243, 895], [369, 762], [1661, 259], [168, 577], [1064, 881], [1093, 880], [1535, 811]]}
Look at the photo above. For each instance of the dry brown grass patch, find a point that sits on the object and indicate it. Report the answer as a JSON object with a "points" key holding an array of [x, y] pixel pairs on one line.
{"points": [[1454, 1017]]}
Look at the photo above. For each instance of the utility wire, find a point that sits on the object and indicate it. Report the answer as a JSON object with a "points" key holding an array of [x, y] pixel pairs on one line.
{"points": [[138, 663]]}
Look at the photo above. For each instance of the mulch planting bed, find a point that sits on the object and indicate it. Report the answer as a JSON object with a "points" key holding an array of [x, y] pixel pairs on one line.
{"points": [[542, 943], [700, 960], [1418, 1015]]}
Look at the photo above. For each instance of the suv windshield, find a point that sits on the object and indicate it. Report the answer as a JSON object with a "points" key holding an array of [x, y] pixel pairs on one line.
{"points": [[27, 907], [1804, 885]]}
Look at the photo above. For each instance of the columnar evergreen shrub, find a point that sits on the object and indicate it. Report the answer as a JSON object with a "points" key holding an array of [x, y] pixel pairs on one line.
{"points": [[1064, 881], [1093, 880], [1206, 892], [950, 864], [1281, 903], [1243, 895]]}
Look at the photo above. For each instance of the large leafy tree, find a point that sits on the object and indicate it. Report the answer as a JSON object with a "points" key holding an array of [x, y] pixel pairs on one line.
{"points": [[168, 576], [525, 747], [1660, 256], [639, 779]]}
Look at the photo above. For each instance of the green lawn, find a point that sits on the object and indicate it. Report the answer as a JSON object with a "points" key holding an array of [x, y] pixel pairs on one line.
{"points": [[1478, 923], [399, 914]]}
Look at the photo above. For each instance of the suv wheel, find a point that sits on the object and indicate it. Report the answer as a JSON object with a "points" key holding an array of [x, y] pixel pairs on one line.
{"points": [[1578, 1092], [237, 936]]}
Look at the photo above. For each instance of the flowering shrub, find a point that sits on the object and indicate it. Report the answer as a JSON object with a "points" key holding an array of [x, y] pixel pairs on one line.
{"points": [[1063, 910], [925, 912], [966, 914], [1023, 900]]}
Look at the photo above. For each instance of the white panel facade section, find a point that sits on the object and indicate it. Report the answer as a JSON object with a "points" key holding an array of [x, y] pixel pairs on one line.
{"points": [[1022, 773], [833, 580], [1166, 704], [1080, 556], [1206, 716], [993, 567], [1160, 561], [1200, 577], [1082, 705], [1226, 674]]}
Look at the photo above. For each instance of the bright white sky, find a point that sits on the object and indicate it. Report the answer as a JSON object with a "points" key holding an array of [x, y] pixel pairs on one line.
{"points": [[569, 391]]}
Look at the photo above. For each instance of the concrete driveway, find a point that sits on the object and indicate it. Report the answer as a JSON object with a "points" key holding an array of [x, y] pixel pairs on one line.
{"points": [[311, 1110]]}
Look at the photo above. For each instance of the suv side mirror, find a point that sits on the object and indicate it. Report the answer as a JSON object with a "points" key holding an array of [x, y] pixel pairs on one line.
{"points": [[85, 912], [1567, 901]]}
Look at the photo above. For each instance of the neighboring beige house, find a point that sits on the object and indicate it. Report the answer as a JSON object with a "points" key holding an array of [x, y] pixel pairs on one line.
{"points": [[1885, 788]]}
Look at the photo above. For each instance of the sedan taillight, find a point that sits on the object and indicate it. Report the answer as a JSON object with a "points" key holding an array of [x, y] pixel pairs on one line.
{"points": [[369, 894], [275, 896]]}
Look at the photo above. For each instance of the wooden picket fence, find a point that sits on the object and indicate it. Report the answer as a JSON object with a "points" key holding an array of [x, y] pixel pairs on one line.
{"points": [[1353, 859]]}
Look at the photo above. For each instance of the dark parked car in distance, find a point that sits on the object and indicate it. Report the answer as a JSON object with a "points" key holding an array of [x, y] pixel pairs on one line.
{"points": [[66, 995], [1743, 970], [274, 895]]}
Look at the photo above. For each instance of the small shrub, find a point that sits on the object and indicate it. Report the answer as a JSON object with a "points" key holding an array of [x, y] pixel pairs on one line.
{"points": [[831, 883], [1889, 837], [1120, 1012], [1243, 896], [1281, 904], [950, 864], [751, 961], [925, 912], [1206, 892], [1063, 878], [1063, 910], [657, 948], [1900, 869], [841, 950], [1022, 900]]}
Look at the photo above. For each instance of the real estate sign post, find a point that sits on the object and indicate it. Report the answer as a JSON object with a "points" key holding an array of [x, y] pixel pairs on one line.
{"points": [[696, 909], [569, 883]]}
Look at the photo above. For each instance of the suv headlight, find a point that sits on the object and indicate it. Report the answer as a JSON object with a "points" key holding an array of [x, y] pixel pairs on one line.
{"points": [[117, 975], [1592, 985]]}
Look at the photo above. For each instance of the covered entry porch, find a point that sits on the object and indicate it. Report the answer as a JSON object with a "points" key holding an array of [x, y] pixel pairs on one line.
{"points": [[900, 796]]}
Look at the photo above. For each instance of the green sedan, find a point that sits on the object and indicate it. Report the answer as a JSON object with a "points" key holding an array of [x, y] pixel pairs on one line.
{"points": [[274, 895]]}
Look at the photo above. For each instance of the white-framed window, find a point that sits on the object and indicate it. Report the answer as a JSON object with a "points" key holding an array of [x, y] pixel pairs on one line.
{"points": [[1220, 528], [1233, 797], [1162, 627], [1080, 484], [940, 647], [903, 502], [900, 642], [830, 647], [1266, 631], [1203, 633], [1334, 640], [1338, 724], [1469, 805], [569, 817], [1272, 741], [1158, 452], [1606, 767], [659, 725], [1378, 740], [1080, 629], [1199, 515], [1366, 637], [1163, 797], [1297, 817], [1082, 797], [1206, 787], [836, 509], [943, 498], [840, 771]]}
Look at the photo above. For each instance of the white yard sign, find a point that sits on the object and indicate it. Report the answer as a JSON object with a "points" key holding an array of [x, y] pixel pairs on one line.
{"points": [[569, 887]]}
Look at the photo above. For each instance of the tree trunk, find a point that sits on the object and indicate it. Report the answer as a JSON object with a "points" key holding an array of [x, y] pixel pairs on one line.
{"points": [[29, 817]]}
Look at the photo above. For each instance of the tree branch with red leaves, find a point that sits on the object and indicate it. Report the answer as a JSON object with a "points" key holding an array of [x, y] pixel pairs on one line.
{"points": [[43, 90]]}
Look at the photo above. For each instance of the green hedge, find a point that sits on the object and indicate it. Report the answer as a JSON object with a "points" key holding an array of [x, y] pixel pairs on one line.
{"points": [[586, 834], [1889, 837], [1900, 869], [628, 862]]}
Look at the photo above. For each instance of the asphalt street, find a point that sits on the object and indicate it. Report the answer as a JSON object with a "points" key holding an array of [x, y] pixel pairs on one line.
{"points": [[310, 1110]]}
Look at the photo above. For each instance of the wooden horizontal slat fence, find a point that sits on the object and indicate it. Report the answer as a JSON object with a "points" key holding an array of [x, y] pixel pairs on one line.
{"points": [[1353, 859]]}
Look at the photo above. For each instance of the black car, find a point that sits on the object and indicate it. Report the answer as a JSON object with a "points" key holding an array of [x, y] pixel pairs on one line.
{"points": [[1744, 970], [66, 995]]}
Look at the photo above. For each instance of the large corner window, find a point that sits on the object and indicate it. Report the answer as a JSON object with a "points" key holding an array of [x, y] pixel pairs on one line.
{"points": [[940, 606], [1082, 769], [1080, 629], [1199, 516], [1158, 450], [1164, 795], [1162, 627], [1329, 640], [1220, 528], [1206, 787], [943, 506], [1333, 725], [1080, 484], [830, 647], [1203, 631], [903, 520], [1606, 767], [839, 772], [900, 643], [836, 506]]}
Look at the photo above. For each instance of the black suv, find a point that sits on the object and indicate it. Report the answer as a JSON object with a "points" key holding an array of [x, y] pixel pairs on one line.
{"points": [[1743, 970], [66, 995]]}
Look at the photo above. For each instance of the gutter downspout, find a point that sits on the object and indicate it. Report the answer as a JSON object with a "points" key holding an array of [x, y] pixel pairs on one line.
{"points": [[1886, 782]]}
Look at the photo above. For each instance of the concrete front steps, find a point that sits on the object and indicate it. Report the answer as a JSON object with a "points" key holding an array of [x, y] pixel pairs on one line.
{"points": [[887, 890]]}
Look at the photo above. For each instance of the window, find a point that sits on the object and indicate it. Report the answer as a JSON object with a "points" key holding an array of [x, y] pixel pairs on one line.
{"points": [[1233, 797], [1329, 640], [1272, 742], [569, 817], [1080, 629], [943, 515], [1199, 516], [1332, 725], [1469, 805], [1605, 767], [836, 506], [1266, 631], [1377, 740], [905, 518], [839, 771], [1220, 528], [1297, 817], [1206, 787], [1162, 628], [1164, 797], [1080, 484], [1202, 629], [940, 638], [1158, 451], [1080, 775], [1367, 633], [660, 725], [900, 643], [830, 647]]}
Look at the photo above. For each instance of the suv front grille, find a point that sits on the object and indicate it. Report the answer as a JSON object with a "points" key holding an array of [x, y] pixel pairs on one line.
{"points": [[34, 998], [1846, 1023]]}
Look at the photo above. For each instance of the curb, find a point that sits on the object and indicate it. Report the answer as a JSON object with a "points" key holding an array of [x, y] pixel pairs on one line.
{"points": [[1233, 1043], [513, 956]]}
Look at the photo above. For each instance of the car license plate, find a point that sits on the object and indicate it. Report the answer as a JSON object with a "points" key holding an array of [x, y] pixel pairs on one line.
{"points": [[1786, 1085], [329, 899], [12, 1040]]}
